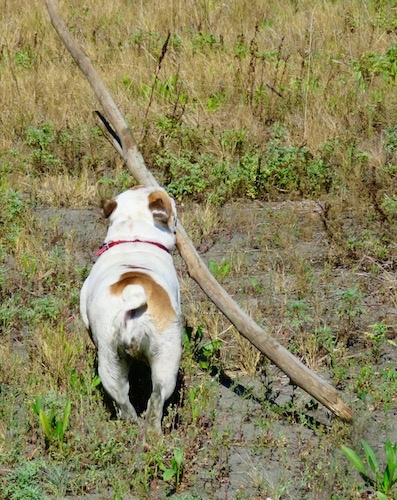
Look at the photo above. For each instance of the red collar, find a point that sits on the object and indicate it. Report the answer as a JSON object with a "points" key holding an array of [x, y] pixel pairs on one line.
{"points": [[111, 244]]}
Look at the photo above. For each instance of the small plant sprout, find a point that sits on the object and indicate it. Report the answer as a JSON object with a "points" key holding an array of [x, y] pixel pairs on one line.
{"points": [[53, 429], [219, 270], [205, 353], [350, 304], [382, 482], [175, 471], [208, 353], [298, 313], [256, 285], [350, 307], [377, 337], [193, 394]]}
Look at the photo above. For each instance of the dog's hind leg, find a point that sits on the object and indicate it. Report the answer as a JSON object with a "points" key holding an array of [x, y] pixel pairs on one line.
{"points": [[113, 372], [164, 375], [155, 412]]}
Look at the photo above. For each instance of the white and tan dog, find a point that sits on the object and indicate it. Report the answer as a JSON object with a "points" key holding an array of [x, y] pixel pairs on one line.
{"points": [[130, 301]]}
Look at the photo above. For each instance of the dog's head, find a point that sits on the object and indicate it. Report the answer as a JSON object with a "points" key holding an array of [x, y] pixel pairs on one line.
{"points": [[140, 204]]}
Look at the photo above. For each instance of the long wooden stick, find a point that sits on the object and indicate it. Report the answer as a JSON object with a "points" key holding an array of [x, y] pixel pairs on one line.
{"points": [[125, 144]]}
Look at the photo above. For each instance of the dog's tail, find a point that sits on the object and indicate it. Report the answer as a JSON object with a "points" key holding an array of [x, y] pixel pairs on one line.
{"points": [[134, 297], [127, 320]]}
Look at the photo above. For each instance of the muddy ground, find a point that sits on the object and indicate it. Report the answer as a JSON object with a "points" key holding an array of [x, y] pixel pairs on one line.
{"points": [[278, 442]]}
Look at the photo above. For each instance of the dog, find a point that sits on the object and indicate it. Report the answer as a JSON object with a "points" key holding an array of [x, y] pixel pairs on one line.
{"points": [[130, 302]]}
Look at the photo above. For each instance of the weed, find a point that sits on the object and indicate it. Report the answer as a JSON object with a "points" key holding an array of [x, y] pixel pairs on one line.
{"points": [[11, 216], [382, 482], [24, 59], [44, 308], [120, 182], [150, 40], [59, 479], [175, 471], [257, 286], [390, 145], [204, 42], [199, 400], [40, 139], [169, 90], [280, 165], [54, 428], [186, 174], [389, 205], [216, 100], [205, 353], [24, 482], [350, 306], [220, 271], [193, 403], [208, 354], [377, 336], [281, 168], [298, 312], [372, 64]]}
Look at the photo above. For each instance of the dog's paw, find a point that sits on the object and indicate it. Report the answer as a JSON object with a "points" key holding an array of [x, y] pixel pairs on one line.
{"points": [[126, 412], [152, 437]]}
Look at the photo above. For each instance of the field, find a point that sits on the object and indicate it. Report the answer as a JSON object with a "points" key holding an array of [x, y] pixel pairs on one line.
{"points": [[274, 126]]}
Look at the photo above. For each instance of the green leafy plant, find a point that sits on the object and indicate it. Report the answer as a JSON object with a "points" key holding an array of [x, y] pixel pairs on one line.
{"points": [[195, 408], [377, 336], [216, 100], [24, 482], [389, 204], [205, 353], [219, 270], [208, 353], [350, 304], [256, 286], [24, 58], [298, 314], [382, 482], [41, 140], [203, 42], [54, 429], [187, 175], [192, 338], [45, 308], [119, 181], [12, 213], [175, 471], [372, 64]]}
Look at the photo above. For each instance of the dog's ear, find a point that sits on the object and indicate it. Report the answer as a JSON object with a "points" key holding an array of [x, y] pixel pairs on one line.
{"points": [[108, 206], [162, 208]]}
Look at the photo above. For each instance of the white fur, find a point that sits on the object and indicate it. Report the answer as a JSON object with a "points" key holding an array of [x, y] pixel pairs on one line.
{"points": [[120, 322]]}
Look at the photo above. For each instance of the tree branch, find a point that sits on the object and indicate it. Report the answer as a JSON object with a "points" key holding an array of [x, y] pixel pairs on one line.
{"points": [[123, 141]]}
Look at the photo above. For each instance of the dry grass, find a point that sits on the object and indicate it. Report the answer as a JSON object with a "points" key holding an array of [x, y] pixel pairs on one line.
{"points": [[40, 83], [64, 190]]}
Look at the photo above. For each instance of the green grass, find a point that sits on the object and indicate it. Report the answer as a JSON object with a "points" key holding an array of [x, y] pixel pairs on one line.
{"points": [[287, 111]]}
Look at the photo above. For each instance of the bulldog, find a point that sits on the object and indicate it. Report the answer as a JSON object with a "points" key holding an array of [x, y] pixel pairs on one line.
{"points": [[130, 301]]}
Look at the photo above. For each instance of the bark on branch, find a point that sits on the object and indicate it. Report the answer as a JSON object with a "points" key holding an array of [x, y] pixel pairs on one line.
{"points": [[124, 143]]}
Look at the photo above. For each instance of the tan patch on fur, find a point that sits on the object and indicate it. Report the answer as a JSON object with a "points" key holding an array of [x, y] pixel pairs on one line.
{"points": [[160, 205], [137, 187], [158, 301]]}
